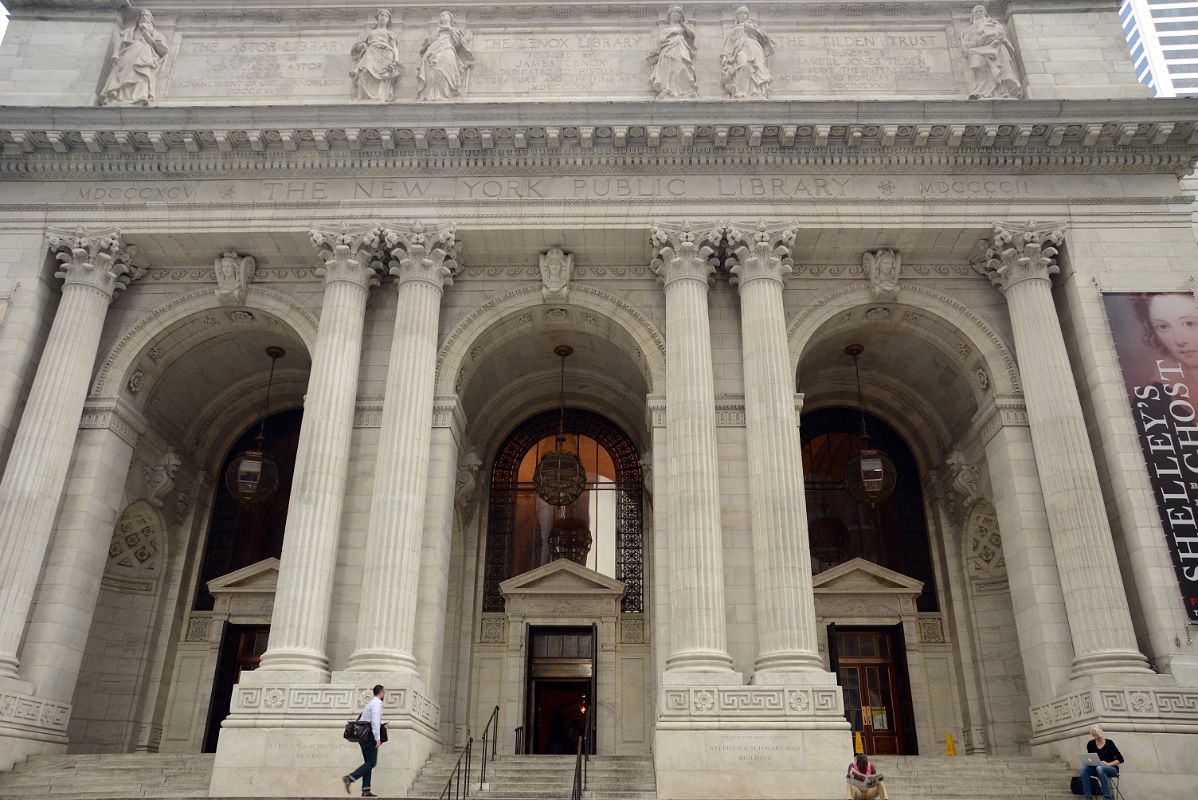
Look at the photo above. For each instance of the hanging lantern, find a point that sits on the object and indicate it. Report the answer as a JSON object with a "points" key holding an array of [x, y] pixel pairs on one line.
{"points": [[253, 476], [570, 539], [870, 475], [560, 476]]}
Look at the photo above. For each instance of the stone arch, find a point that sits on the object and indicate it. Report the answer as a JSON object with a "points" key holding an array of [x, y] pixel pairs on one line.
{"points": [[462, 340], [115, 368], [988, 348]]}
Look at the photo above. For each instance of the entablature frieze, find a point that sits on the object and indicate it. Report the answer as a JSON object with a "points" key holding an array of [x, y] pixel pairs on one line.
{"points": [[981, 137]]}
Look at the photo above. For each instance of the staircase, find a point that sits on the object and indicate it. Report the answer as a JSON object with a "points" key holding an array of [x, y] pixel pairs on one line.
{"points": [[971, 777], [91, 777], [545, 778]]}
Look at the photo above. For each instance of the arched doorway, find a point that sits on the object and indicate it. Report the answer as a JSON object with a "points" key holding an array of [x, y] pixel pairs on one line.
{"points": [[869, 660], [568, 599], [239, 538]]}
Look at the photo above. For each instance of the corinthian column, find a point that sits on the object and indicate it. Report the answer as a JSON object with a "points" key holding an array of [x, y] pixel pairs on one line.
{"points": [[785, 600], [94, 268], [683, 261], [424, 262], [304, 594], [1019, 261]]}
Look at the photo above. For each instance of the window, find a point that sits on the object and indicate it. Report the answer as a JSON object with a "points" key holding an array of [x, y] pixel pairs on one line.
{"points": [[520, 524], [1160, 13], [893, 533]]}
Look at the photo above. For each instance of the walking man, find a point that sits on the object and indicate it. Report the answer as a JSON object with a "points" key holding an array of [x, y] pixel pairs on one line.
{"points": [[372, 713]]}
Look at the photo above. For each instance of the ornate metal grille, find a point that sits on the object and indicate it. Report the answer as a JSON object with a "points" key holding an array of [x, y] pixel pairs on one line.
{"points": [[630, 545]]}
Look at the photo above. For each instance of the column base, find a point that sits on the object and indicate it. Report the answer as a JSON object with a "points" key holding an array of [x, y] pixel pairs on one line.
{"points": [[1152, 719], [1117, 661], [307, 666], [779, 741], [29, 725], [285, 740], [784, 741]]}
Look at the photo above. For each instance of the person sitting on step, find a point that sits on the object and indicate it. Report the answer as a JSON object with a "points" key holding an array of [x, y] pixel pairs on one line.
{"points": [[863, 781], [1109, 761]]}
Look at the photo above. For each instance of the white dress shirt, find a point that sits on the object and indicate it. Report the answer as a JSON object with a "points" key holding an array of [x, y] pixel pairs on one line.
{"points": [[373, 713]]}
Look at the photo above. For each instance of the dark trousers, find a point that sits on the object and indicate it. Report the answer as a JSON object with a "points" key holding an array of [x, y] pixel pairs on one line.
{"points": [[370, 757]]}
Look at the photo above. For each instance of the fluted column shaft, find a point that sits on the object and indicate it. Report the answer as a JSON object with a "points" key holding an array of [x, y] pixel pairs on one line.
{"points": [[303, 599], [423, 263], [781, 553], [699, 639], [93, 268], [1020, 263]]}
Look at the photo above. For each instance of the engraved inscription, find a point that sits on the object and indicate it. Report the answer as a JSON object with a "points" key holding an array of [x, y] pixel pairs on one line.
{"points": [[874, 62], [292, 66], [519, 63]]}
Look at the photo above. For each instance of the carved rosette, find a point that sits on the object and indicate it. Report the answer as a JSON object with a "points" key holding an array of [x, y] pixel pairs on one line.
{"points": [[680, 253], [762, 253], [418, 253], [100, 260], [350, 254], [1021, 252]]}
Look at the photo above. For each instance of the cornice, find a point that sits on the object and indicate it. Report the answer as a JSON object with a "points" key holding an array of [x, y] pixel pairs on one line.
{"points": [[1068, 136]]}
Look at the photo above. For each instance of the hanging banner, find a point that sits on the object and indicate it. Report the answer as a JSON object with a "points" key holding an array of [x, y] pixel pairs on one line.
{"points": [[1156, 337]]}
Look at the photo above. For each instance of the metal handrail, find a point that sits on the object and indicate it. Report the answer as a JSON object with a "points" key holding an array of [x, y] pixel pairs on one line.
{"points": [[519, 740], [461, 788], [491, 729], [582, 758]]}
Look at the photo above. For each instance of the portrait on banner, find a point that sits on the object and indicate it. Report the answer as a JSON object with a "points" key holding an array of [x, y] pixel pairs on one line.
{"points": [[1156, 338]]}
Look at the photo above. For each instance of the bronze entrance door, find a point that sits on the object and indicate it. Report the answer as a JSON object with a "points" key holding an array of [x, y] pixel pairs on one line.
{"points": [[871, 670], [561, 689]]}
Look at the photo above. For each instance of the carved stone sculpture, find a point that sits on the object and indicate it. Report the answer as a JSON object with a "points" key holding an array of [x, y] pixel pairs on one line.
{"points": [[137, 56], [466, 492], [991, 58], [557, 267], [160, 478], [744, 61], [882, 269], [966, 479], [376, 62], [233, 274], [445, 62], [672, 61]]}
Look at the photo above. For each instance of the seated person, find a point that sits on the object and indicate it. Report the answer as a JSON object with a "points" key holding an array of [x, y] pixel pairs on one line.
{"points": [[1109, 759], [859, 770]]}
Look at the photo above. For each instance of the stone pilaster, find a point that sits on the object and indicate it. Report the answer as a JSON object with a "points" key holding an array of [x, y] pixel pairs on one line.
{"points": [[786, 634], [684, 262], [304, 595], [94, 268], [423, 261], [1019, 260]]}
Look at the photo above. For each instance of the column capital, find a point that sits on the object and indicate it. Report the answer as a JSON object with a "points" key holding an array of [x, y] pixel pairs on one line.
{"points": [[681, 253], [1019, 252], [350, 253], [98, 259], [760, 253], [427, 254]]}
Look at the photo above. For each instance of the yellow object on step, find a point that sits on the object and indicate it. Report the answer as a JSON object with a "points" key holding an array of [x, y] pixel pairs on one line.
{"points": [[858, 743], [950, 747]]}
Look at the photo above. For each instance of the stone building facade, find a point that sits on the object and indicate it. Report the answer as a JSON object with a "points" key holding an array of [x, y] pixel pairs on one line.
{"points": [[708, 204]]}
